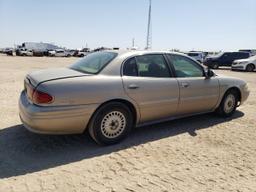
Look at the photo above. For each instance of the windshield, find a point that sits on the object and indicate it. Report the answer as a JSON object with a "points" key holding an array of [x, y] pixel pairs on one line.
{"points": [[93, 62]]}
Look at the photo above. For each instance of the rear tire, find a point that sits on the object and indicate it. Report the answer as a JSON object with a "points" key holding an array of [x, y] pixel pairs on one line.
{"points": [[111, 123], [250, 68], [228, 104]]}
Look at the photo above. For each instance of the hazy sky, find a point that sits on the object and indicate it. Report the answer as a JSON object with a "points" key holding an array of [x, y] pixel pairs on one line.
{"points": [[181, 24]]}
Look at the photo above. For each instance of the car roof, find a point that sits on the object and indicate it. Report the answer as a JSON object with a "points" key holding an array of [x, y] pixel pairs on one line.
{"points": [[112, 69], [130, 53]]}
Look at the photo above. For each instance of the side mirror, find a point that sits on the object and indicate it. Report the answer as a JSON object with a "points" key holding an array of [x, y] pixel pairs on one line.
{"points": [[209, 73]]}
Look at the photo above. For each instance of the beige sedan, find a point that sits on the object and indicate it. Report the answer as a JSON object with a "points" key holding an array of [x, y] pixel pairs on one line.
{"points": [[111, 92]]}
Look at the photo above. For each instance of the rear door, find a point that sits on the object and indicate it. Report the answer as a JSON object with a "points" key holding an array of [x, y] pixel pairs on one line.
{"points": [[147, 80], [197, 93]]}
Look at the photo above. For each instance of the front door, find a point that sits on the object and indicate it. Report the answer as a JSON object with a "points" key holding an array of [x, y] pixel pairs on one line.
{"points": [[226, 59], [197, 93], [148, 81]]}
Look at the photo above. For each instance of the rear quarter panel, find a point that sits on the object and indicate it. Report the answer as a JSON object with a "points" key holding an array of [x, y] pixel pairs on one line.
{"points": [[95, 89]]}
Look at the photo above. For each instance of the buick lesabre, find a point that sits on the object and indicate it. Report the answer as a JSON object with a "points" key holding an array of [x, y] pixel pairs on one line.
{"points": [[111, 92]]}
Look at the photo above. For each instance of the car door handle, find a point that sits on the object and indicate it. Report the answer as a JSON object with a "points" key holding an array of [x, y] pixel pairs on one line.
{"points": [[184, 84], [133, 86]]}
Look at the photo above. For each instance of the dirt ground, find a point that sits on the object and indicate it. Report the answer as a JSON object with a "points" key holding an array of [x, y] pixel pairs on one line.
{"points": [[201, 153]]}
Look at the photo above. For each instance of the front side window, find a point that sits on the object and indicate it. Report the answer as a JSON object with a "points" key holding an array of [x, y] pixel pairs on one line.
{"points": [[185, 67], [226, 55], [93, 62]]}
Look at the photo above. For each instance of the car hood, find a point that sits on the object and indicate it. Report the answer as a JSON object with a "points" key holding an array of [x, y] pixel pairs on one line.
{"points": [[41, 76]]}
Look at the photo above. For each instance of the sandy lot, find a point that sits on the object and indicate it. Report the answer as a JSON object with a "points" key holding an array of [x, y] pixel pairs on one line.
{"points": [[201, 153]]}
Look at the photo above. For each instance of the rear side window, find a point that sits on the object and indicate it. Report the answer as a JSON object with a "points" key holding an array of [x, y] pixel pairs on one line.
{"points": [[152, 66], [130, 67], [147, 66], [242, 55]]}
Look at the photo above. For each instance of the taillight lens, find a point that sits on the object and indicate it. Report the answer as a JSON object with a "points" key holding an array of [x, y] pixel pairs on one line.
{"points": [[36, 96], [40, 97]]}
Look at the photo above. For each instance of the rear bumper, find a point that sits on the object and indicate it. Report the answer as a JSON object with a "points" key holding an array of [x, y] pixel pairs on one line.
{"points": [[54, 120]]}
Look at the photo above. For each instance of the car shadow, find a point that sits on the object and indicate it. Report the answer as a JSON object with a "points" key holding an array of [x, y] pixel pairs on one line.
{"points": [[23, 152]]}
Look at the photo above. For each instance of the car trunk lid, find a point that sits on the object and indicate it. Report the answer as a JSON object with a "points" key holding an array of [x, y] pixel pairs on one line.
{"points": [[38, 77]]}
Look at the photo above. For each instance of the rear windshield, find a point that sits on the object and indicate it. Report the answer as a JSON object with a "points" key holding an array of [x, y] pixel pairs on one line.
{"points": [[94, 62]]}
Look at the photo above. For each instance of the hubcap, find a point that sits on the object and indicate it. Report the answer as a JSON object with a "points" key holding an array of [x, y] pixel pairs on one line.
{"points": [[113, 124], [229, 103]]}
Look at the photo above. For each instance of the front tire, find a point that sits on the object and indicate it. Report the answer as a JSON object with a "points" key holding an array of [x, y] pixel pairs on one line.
{"points": [[111, 123], [228, 104], [250, 68]]}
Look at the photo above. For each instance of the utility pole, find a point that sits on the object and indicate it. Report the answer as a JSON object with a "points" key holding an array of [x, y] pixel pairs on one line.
{"points": [[149, 29]]}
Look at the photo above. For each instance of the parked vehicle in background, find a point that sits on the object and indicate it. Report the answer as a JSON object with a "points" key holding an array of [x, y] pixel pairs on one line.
{"points": [[59, 53], [198, 56], [245, 64], [224, 59], [8, 51], [24, 52], [40, 48], [83, 52], [101, 49], [110, 92], [251, 51], [39, 52], [73, 52]]}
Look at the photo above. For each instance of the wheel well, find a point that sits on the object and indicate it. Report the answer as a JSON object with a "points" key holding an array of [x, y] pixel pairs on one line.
{"points": [[125, 102], [237, 91], [252, 65], [129, 105]]}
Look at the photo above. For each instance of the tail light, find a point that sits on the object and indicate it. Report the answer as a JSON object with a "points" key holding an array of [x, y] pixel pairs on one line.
{"points": [[40, 97], [36, 96]]}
